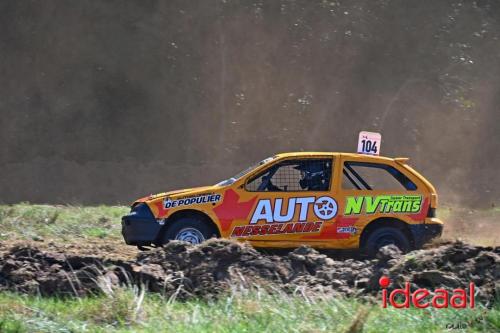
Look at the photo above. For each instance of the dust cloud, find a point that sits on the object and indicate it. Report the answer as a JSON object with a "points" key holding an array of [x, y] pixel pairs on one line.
{"points": [[105, 101]]}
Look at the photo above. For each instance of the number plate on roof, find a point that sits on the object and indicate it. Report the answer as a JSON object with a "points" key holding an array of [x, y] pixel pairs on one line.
{"points": [[369, 143]]}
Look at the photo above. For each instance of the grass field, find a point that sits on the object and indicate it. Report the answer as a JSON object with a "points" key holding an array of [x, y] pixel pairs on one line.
{"points": [[129, 310], [64, 223]]}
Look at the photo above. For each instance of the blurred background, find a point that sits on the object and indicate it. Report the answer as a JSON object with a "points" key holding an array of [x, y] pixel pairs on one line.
{"points": [[106, 101]]}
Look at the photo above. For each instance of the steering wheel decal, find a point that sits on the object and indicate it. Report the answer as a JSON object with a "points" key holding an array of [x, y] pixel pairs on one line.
{"points": [[325, 208]]}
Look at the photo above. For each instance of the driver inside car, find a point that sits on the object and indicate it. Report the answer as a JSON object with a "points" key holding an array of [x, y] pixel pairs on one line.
{"points": [[314, 176]]}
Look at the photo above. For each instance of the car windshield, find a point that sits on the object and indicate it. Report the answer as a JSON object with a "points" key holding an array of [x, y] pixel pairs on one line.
{"points": [[244, 172]]}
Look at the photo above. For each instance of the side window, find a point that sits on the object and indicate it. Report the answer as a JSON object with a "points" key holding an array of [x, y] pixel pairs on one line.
{"points": [[374, 176], [293, 176]]}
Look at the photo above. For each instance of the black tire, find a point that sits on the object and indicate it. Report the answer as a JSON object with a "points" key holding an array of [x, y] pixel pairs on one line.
{"points": [[188, 229], [384, 236]]}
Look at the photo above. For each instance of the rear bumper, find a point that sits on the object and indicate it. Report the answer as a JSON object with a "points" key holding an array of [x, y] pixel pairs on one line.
{"points": [[423, 233], [137, 230]]}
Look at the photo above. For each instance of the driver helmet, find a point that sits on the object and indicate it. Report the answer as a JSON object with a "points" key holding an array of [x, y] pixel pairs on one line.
{"points": [[313, 175]]}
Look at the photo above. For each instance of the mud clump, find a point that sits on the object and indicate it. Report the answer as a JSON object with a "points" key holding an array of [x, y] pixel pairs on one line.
{"points": [[30, 270], [219, 266]]}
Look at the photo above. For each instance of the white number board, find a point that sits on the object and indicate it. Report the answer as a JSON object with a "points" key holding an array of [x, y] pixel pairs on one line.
{"points": [[369, 143]]}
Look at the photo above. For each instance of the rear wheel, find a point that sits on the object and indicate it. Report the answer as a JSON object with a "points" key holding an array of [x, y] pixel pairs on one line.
{"points": [[189, 229], [384, 236]]}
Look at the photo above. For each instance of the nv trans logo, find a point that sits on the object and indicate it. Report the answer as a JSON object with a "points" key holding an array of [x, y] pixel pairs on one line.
{"points": [[278, 217]]}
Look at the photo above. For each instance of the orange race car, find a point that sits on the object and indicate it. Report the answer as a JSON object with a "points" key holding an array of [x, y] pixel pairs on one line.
{"points": [[325, 200]]}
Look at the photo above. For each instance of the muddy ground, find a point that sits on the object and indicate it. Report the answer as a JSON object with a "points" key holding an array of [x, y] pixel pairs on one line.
{"points": [[219, 266]]}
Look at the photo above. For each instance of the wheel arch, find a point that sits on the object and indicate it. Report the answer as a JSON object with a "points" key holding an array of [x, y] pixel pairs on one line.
{"points": [[187, 213], [387, 222]]}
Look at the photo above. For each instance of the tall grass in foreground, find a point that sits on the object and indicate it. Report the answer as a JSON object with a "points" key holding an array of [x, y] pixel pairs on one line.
{"points": [[130, 310]]}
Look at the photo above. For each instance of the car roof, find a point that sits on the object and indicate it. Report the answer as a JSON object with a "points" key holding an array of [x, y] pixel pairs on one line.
{"points": [[354, 155]]}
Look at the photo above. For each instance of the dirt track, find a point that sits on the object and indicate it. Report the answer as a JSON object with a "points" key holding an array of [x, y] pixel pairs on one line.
{"points": [[218, 266]]}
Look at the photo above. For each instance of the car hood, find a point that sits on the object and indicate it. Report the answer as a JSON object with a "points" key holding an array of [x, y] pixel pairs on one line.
{"points": [[178, 193]]}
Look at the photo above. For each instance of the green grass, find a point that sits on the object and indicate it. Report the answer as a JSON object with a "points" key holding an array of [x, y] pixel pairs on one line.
{"points": [[37, 222], [130, 311]]}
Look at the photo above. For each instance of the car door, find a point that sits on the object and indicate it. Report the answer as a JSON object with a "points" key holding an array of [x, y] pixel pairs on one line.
{"points": [[372, 189], [294, 200]]}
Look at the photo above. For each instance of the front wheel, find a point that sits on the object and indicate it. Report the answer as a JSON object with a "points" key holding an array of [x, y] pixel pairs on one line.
{"points": [[188, 229], [385, 236]]}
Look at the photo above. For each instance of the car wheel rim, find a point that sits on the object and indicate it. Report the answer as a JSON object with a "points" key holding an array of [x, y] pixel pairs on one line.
{"points": [[190, 235]]}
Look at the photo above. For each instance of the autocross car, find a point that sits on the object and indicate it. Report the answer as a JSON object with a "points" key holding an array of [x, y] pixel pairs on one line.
{"points": [[324, 200]]}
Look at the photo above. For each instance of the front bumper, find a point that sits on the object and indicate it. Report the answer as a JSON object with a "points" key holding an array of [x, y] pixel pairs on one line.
{"points": [[423, 233], [140, 228]]}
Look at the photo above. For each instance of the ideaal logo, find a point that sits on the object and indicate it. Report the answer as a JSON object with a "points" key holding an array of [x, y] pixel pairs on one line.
{"points": [[384, 204], [325, 208], [422, 298], [441, 298]]}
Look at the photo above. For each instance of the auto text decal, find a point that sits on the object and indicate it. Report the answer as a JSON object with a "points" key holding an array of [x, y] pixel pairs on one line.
{"points": [[204, 198], [383, 204], [278, 216]]}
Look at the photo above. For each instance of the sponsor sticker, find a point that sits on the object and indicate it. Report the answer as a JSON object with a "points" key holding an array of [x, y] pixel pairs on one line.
{"points": [[279, 213], [347, 230], [201, 199], [277, 229], [325, 208], [408, 204]]}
